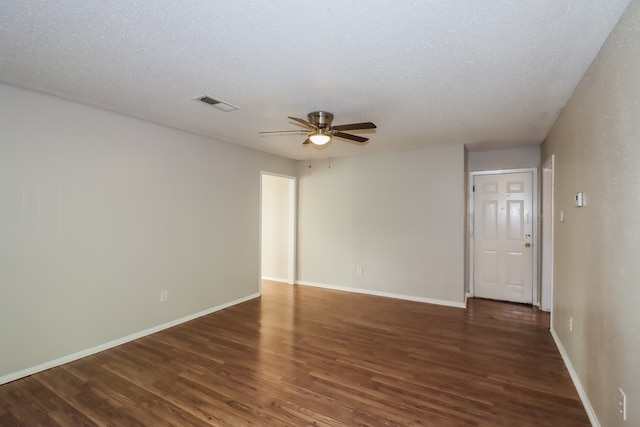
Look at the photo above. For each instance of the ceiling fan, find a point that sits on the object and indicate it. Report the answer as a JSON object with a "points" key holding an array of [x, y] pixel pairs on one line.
{"points": [[320, 131]]}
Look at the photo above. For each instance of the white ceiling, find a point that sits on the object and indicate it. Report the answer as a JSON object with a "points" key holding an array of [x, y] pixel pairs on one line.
{"points": [[489, 74]]}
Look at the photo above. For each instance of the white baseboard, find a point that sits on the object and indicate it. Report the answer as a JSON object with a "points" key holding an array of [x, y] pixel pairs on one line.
{"points": [[275, 279], [576, 380], [384, 294], [93, 350]]}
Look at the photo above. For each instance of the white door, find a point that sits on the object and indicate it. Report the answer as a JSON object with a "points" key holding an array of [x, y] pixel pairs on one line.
{"points": [[503, 241]]}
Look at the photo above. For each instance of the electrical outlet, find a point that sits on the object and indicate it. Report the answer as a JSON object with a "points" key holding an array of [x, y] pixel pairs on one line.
{"points": [[622, 403], [359, 269], [164, 296], [570, 324]]}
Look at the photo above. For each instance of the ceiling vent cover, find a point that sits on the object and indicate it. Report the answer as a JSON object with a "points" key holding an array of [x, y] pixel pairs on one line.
{"points": [[224, 106]]}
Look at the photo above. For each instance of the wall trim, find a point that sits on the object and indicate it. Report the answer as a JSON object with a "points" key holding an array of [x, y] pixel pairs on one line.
{"points": [[275, 279], [385, 294], [535, 208], [576, 380], [97, 349], [292, 226]]}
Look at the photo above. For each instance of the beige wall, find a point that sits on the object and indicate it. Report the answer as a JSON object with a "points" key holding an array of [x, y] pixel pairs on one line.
{"points": [[596, 142], [510, 158], [100, 212], [275, 227], [400, 215]]}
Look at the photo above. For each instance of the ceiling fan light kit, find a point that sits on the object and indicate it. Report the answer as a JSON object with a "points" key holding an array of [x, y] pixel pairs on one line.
{"points": [[319, 138], [321, 131]]}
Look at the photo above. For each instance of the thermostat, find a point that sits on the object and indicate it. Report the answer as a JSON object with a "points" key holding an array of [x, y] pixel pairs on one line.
{"points": [[579, 199]]}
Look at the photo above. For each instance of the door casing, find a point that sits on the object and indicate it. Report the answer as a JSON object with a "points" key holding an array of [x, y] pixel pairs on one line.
{"points": [[291, 225], [548, 231], [536, 227]]}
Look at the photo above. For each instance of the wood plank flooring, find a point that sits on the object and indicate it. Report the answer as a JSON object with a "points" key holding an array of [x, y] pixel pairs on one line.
{"points": [[307, 356]]}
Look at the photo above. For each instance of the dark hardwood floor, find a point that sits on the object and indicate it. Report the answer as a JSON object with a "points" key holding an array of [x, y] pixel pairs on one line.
{"points": [[308, 356]]}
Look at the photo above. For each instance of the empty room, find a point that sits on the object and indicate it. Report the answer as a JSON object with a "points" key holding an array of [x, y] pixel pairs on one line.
{"points": [[319, 213]]}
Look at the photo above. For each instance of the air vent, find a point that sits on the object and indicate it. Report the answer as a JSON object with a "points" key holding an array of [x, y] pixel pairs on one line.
{"points": [[224, 106]]}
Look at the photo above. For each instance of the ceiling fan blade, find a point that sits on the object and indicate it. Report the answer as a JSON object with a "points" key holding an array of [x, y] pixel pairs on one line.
{"points": [[284, 131], [355, 138], [307, 141], [302, 122], [354, 126]]}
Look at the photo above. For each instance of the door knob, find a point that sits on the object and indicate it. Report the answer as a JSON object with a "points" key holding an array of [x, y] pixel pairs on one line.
{"points": [[527, 245]]}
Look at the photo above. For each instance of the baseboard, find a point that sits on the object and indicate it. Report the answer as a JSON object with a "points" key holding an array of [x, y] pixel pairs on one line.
{"points": [[275, 279], [576, 380], [93, 350], [384, 294]]}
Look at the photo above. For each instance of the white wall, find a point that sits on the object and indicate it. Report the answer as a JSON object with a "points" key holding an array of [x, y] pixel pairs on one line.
{"points": [[275, 227], [510, 158], [596, 142], [100, 212], [400, 215]]}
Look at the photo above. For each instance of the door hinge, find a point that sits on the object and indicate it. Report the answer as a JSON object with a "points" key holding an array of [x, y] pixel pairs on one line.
{"points": [[473, 189]]}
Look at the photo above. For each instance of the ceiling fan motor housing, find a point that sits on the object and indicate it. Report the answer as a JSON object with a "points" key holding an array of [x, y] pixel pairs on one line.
{"points": [[321, 119]]}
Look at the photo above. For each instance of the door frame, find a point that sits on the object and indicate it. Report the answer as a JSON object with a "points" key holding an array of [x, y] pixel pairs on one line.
{"points": [[291, 225], [548, 234], [535, 292]]}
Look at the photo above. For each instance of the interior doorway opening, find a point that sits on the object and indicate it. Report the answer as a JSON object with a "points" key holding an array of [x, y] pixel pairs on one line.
{"points": [[277, 227]]}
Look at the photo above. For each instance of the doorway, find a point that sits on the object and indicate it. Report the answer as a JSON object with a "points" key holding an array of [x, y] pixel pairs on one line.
{"points": [[504, 235], [277, 227]]}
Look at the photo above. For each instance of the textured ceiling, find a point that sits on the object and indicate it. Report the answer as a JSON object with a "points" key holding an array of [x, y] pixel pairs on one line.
{"points": [[489, 74]]}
